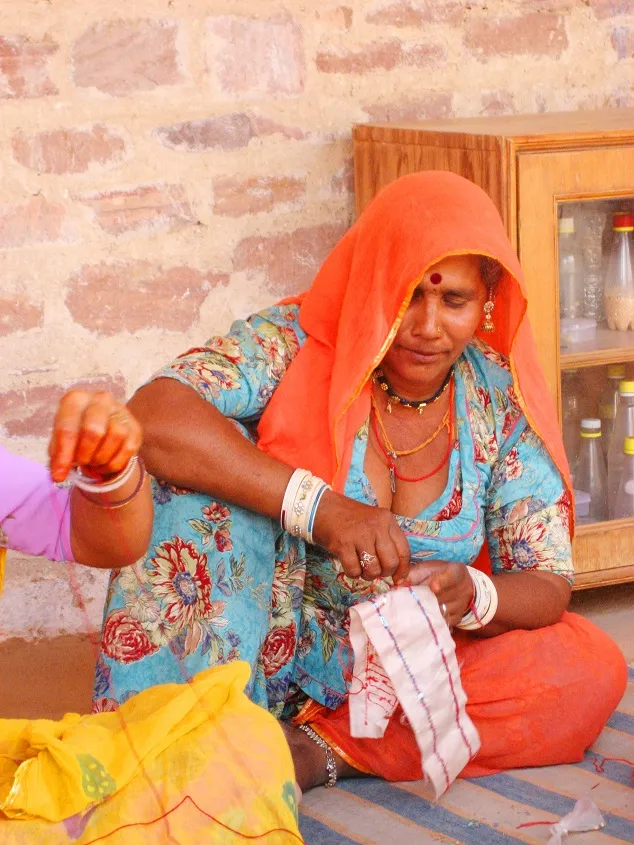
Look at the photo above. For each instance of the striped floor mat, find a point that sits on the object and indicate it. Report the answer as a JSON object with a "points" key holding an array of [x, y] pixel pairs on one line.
{"points": [[485, 811]]}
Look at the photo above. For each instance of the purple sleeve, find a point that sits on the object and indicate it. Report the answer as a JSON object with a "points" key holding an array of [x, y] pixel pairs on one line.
{"points": [[34, 512]]}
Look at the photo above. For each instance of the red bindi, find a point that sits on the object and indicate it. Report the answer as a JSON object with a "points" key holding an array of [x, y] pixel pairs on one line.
{"points": [[435, 278]]}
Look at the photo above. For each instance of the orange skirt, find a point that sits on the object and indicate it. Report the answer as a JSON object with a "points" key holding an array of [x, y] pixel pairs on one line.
{"points": [[537, 698]]}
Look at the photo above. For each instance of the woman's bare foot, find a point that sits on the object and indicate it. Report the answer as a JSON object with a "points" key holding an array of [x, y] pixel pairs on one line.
{"points": [[310, 760]]}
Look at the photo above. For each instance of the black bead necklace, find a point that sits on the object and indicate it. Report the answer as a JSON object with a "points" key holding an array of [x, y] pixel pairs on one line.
{"points": [[394, 399]]}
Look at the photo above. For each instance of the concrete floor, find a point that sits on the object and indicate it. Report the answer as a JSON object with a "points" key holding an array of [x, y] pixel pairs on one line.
{"points": [[47, 678]]}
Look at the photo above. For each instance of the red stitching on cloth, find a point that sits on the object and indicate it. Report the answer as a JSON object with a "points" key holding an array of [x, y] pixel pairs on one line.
{"points": [[200, 810]]}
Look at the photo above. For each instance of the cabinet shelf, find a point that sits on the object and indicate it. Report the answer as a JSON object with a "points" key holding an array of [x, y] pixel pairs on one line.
{"points": [[606, 347], [602, 527]]}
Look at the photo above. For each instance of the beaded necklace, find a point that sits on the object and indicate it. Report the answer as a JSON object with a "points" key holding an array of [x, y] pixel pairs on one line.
{"points": [[394, 398]]}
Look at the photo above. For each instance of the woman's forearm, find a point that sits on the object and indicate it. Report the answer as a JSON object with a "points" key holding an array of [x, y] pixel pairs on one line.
{"points": [[110, 537], [527, 600], [189, 443]]}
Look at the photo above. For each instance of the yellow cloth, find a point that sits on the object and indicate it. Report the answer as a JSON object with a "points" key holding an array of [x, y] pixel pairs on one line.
{"points": [[204, 740]]}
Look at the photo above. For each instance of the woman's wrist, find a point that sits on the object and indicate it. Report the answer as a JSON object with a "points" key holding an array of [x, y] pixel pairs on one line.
{"points": [[112, 491], [484, 602], [302, 497]]}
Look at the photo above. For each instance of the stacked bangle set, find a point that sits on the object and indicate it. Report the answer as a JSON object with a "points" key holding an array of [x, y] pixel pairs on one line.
{"points": [[484, 603], [301, 499]]}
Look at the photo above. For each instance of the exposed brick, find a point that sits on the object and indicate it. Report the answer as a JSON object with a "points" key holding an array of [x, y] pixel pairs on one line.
{"points": [[342, 183], [35, 222], [340, 16], [122, 56], [404, 13], [69, 150], [379, 55], [24, 67], [18, 313], [611, 8], [29, 412], [534, 34], [287, 262], [145, 207], [127, 296], [263, 125], [498, 102], [234, 196], [226, 132], [623, 42], [251, 58], [435, 106]]}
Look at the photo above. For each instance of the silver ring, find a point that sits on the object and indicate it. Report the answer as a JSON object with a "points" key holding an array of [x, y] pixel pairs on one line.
{"points": [[366, 559], [443, 610]]}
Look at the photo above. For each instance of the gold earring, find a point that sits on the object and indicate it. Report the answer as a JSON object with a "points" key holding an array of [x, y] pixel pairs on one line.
{"points": [[488, 325], [439, 329]]}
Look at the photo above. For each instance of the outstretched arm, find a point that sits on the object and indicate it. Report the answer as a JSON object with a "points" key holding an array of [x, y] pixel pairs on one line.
{"points": [[95, 433]]}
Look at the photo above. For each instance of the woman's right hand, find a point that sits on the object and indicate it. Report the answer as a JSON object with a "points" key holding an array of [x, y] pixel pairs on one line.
{"points": [[350, 530], [93, 431]]}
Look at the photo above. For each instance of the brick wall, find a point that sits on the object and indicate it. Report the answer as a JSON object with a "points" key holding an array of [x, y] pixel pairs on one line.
{"points": [[167, 165]]}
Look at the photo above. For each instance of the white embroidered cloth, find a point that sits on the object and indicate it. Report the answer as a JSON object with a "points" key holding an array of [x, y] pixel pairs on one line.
{"points": [[404, 653]]}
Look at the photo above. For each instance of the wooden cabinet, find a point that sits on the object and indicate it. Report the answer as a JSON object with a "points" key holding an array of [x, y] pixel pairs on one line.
{"points": [[542, 171]]}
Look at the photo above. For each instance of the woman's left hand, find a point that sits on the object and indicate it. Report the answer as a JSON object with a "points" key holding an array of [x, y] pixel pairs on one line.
{"points": [[449, 582], [93, 431]]}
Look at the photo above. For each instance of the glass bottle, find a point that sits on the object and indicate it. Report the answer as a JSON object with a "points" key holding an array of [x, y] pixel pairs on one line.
{"points": [[619, 277], [592, 253], [570, 271], [624, 503], [608, 403], [571, 413], [623, 427], [589, 475]]}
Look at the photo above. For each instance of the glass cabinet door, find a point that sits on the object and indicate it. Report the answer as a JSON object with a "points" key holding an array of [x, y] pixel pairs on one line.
{"points": [[576, 245], [595, 281]]}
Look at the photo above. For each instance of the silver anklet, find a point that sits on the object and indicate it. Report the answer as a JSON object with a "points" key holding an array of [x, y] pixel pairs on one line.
{"points": [[331, 765]]}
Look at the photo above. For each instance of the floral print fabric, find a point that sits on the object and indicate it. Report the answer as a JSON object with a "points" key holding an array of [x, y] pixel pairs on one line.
{"points": [[221, 583]]}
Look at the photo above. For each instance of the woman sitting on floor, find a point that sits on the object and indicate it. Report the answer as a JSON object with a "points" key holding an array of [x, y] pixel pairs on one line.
{"points": [[442, 451]]}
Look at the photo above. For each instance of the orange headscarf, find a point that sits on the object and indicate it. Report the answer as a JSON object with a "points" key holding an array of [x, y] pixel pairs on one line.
{"points": [[354, 307]]}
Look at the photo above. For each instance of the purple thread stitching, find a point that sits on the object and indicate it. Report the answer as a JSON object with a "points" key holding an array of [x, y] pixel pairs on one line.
{"points": [[446, 665], [419, 694]]}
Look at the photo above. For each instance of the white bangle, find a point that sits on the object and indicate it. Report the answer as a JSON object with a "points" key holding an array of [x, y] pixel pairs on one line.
{"points": [[292, 489], [93, 485], [300, 503], [484, 605]]}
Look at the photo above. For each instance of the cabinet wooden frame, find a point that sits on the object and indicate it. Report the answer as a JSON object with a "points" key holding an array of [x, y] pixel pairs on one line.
{"points": [[529, 164]]}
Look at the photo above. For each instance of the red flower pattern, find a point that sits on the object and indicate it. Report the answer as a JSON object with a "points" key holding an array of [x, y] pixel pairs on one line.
{"points": [[278, 649], [223, 540], [124, 638], [215, 512]]}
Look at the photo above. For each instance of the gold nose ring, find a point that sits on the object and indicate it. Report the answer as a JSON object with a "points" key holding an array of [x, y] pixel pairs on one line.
{"points": [[439, 329]]}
